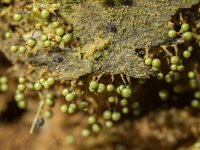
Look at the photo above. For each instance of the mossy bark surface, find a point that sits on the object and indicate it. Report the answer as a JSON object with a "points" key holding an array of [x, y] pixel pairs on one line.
{"points": [[107, 35]]}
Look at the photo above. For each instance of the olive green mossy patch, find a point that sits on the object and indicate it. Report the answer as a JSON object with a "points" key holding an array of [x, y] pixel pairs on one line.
{"points": [[142, 25]]}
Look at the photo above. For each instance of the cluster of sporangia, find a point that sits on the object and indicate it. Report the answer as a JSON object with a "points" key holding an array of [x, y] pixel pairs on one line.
{"points": [[55, 33], [175, 63], [51, 33]]}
